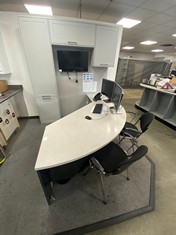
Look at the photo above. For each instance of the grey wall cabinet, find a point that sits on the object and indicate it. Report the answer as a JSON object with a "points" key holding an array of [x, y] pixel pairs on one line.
{"points": [[38, 51]]}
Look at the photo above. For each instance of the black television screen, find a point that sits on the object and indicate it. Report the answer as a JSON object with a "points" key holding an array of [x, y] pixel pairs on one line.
{"points": [[73, 61]]}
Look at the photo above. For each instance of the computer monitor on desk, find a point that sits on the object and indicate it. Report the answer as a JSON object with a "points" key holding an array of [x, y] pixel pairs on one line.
{"points": [[107, 88], [113, 92], [117, 96]]}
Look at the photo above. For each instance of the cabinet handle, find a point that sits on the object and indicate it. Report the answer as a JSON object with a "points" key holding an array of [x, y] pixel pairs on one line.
{"points": [[103, 64], [7, 121], [47, 97], [72, 43], [13, 114], [8, 111], [0, 119]]}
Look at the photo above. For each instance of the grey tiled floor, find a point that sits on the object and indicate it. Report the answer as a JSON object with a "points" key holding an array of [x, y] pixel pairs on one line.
{"points": [[161, 141]]}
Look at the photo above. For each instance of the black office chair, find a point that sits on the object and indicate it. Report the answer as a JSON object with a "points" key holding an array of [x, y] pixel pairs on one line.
{"points": [[132, 132], [112, 160]]}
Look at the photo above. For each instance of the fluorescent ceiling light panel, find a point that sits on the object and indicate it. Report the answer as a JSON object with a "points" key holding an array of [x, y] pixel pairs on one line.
{"points": [[174, 35], [157, 50], [128, 23], [148, 42], [39, 10], [128, 48]]}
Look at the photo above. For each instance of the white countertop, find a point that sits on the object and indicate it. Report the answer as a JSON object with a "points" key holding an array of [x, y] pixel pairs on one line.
{"points": [[74, 137]]}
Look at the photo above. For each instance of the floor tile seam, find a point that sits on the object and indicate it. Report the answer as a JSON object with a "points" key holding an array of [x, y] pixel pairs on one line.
{"points": [[165, 180]]}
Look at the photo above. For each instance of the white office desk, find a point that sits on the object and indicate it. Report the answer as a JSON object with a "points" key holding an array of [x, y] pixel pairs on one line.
{"points": [[74, 137]]}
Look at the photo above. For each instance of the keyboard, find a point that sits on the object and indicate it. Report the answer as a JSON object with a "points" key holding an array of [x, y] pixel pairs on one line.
{"points": [[98, 108]]}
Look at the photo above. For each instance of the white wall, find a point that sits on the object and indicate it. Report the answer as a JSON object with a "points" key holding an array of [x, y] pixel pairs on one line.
{"points": [[9, 30]]}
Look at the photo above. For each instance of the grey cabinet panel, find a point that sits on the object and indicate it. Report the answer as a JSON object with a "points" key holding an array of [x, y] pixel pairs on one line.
{"points": [[159, 102]]}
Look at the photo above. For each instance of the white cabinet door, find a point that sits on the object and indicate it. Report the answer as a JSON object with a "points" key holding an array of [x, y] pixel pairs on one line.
{"points": [[72, 33], [105, 46], [4, 65], [38, 51], [48, 110], [39, 56]]}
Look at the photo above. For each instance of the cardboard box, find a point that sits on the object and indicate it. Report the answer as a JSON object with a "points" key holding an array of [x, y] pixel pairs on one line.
{"points": [[3, 86], [173, 81]]}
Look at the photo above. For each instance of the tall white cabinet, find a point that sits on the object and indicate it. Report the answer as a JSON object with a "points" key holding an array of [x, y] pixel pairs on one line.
{"points": [[38, 51]]}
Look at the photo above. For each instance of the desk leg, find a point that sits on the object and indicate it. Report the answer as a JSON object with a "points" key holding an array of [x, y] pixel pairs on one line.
{"points": [[46, 184]]}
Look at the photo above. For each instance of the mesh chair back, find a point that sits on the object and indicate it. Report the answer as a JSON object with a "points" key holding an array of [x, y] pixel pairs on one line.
{"points": [[145, 121]]}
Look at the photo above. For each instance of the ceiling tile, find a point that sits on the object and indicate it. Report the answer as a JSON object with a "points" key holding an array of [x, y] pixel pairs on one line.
{"points": [[66, 4], [108, 18], [92, 4], [131, 2], [160, 28], [171, 11], [65, 13], [158, 6], [10, 2], [12, 7], [145, 26], [35, 2], [118, 10], [141, 14], [170, 24], [159, 19]]}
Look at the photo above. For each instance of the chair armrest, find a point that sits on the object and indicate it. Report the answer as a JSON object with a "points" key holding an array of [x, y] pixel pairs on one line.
{"points": [[125, 132], [131, 129], [97, 165], [139, 152]]}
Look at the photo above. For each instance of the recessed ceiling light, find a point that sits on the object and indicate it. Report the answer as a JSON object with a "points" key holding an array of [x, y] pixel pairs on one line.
{"points": [[128, 23], [174, 35], [148, 42], [39, 10], [157, 50], [128, 48]]}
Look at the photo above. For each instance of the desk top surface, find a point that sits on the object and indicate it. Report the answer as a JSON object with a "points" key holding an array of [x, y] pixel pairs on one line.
{"points": [[74, 137]]}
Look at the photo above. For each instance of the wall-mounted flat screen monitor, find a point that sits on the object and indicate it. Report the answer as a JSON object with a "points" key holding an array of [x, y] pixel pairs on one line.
{"points": [[107, 88], [73, 61]]}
